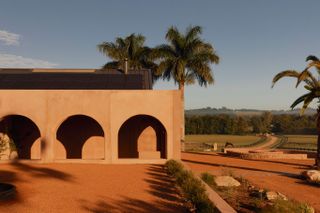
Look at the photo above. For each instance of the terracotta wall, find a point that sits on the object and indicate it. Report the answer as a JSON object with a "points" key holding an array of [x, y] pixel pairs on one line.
{"points": [[104, 113]]}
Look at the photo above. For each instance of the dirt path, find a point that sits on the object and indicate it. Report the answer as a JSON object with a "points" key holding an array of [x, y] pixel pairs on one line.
{"points": [[89, 188], [266, 145], [277, 175], [263, 147]]}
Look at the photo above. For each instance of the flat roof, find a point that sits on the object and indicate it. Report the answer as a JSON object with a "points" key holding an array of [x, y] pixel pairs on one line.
{"points": [[17, 78]]}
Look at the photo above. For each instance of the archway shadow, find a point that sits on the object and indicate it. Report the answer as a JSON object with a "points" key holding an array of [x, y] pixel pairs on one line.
{"points": [[131, 130], [74, 132]]}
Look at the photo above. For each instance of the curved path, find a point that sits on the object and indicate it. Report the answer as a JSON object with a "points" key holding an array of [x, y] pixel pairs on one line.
{"points": [[263, 147], [272, 140]]}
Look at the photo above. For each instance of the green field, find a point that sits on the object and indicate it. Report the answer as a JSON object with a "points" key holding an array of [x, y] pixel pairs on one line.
{"points": [[300, 142], [237, 140]]}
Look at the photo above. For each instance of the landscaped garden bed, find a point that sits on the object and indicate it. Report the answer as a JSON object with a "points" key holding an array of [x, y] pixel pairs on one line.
{"points": [[246, 198], [191, 188]]}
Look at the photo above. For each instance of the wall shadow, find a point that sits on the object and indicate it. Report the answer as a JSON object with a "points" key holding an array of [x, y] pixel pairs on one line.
{"points": [[162, 187], [131, 130], [74, 132]]}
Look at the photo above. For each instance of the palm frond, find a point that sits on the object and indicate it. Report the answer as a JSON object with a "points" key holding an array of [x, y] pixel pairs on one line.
{"points": [[192, 33], [286, 73], [312, 58], [299, 100], [111, 65], [307, 76], [306, 103]]}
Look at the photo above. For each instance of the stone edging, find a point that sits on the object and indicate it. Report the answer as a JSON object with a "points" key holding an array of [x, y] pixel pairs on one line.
{"points": [[215, 198]]}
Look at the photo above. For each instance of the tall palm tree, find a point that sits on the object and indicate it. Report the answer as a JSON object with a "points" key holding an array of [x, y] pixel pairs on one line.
{"points": [[186, 59], [130, 49], [312, 85]]}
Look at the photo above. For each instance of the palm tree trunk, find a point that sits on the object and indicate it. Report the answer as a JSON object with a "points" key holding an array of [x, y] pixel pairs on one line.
{"points": [[181, 88], [318, 143]]}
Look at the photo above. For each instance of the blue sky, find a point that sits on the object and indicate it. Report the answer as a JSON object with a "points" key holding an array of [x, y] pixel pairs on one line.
{"points": [[255, 39]]}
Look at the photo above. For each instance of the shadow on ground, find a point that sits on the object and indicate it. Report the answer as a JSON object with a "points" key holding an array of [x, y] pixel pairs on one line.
{"points": [[287, 174], [19, 173], [161, 186]]}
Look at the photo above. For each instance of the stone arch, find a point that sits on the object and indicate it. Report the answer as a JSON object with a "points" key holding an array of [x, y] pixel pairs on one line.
{"points": [[24, 136], [80, 137], [143, 137]]}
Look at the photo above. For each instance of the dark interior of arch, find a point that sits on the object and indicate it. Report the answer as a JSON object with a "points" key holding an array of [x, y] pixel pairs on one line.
{"points": [[131, 130], [75, 131], [23, 131]]}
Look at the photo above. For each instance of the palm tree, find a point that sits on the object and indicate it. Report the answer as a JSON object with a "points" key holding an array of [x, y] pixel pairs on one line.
{"points": [[130, 49], [186, 59], [312, 85]]}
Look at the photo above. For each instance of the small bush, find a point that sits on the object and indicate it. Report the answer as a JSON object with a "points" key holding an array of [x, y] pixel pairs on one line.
{"points": [[208, 178], [287, 206], [192, 188], [173, 167]]}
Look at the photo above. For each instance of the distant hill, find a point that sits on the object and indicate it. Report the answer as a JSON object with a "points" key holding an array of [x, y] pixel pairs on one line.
{"points": [[244, 112]]}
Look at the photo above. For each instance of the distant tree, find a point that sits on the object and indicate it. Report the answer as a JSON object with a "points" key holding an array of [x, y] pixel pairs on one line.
{"points": [[266, 121], [312, 85], [186, 59], [130, 48], [257, 124]]}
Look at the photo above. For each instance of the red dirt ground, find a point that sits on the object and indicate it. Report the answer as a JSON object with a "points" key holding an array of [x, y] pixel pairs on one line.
{"points": [[89, 188], [277, 175]]}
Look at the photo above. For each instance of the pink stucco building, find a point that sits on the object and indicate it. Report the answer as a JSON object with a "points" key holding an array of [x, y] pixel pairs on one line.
{"points": [[87, 115]]}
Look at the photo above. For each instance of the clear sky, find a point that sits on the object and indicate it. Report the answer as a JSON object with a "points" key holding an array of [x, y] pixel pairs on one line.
{"points": [[255, 39]]}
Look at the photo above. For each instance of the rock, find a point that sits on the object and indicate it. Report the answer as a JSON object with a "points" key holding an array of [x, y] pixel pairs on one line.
{"points": [[282, 196], [272, 195], [226, 181], [311, 175]]}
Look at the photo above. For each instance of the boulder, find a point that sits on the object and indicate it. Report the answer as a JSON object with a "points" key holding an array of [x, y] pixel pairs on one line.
{"points": [[311, 175], [272, 195], [227, 181]]}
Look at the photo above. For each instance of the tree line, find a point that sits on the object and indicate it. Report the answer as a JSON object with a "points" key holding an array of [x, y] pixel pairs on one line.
{"points": [[240, 125]]}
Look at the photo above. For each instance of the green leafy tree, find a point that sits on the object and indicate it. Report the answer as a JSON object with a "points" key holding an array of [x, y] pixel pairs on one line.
{"points": [[186, 59], [312, 85], [130, 49]]}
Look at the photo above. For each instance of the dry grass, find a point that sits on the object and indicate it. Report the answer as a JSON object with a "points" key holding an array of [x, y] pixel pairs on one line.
{"points": [[302, 138], [301, 142]]}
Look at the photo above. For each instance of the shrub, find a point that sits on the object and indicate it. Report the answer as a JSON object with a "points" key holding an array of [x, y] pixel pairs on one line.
{"points": [[192, 188], [208, 178], [173, 167], [287, 206]]}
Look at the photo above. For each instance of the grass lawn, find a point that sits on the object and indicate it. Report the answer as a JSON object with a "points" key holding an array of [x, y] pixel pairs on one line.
{"points": [[301, 142], [222, 139]]}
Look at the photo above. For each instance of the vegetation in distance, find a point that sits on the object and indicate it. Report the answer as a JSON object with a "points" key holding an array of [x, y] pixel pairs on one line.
{"points": [[242, 125], [222, 139], [298, 142]]}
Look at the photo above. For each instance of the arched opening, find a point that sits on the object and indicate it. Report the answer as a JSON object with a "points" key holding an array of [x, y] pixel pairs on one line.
{"points": [[20, 138], [81, 137], [143, 137]]}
